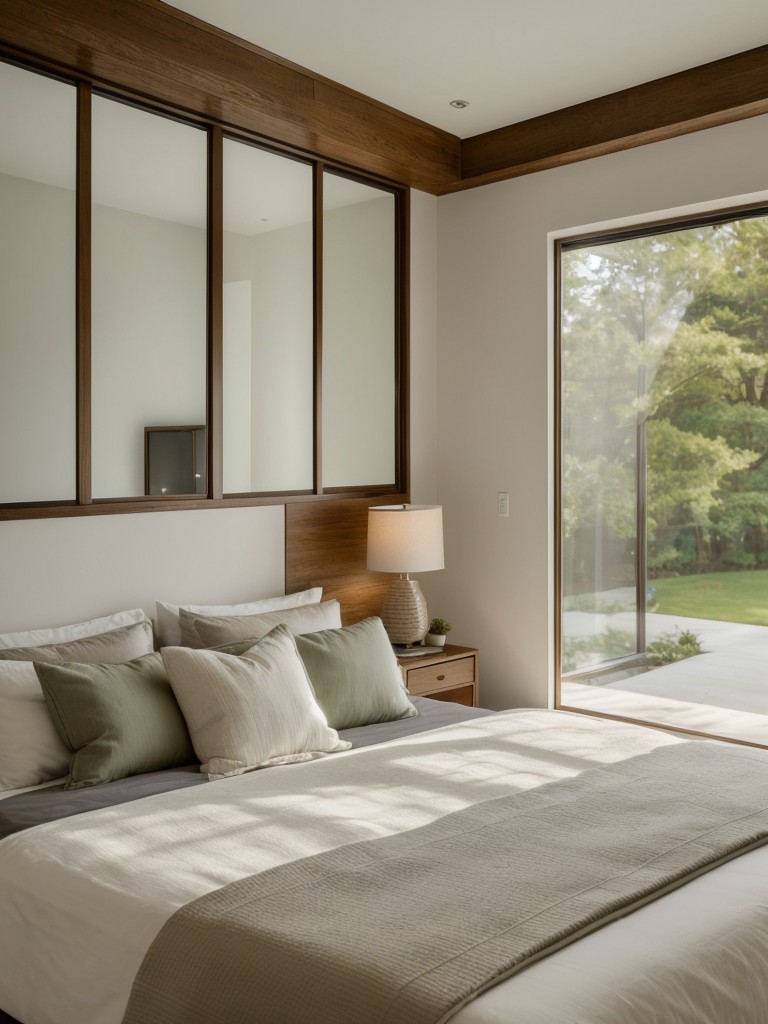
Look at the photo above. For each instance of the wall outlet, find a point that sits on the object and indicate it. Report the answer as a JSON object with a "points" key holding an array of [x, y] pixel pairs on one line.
{"points": [[503, 499]]}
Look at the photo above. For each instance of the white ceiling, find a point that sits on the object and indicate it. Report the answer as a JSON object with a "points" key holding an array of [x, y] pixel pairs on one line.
{"points": [[511, 59]]}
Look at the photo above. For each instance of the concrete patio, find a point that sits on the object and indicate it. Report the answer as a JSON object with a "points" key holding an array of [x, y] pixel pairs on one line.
{"points": [[723, 691]]}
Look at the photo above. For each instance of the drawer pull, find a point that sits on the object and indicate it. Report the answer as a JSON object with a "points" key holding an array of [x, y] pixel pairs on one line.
{"points": [[440, 678]]}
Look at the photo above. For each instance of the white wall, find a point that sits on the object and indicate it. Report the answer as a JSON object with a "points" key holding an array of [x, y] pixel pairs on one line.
{"points": [[495, 311], [58, 571]]}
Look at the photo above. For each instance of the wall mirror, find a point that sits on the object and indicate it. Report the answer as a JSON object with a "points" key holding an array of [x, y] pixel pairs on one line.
{"points": [[359, 334], [166, 289], [268, 322], [38, 117], [149, 272]]}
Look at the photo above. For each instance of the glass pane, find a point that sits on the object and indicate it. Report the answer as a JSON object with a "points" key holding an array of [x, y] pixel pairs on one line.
{"points": [[268, 322], [38, 122], [149, 287], [665, 478], [358, 334]]}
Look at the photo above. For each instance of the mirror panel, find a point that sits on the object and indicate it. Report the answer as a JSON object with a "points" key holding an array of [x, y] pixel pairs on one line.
{"points": [[268, 322], [359, 335], [149, 272], [38, 122]]}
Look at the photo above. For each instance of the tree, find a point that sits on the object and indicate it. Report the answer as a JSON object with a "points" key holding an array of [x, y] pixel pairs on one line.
{"points": [[666, 336]]}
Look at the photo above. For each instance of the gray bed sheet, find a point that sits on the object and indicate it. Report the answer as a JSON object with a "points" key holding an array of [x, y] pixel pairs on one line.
{"points": [[29, 809]]}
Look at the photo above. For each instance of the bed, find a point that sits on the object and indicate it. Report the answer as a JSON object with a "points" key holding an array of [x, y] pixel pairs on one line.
{"points": [[93, 879]]}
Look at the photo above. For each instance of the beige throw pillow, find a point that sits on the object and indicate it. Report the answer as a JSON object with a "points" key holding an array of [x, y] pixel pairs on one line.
{"points": [[215, 630], [251, 711], [169, 628]]}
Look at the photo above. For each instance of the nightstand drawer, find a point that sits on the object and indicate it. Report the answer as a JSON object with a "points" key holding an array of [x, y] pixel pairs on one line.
{"points": [[443, 675]]}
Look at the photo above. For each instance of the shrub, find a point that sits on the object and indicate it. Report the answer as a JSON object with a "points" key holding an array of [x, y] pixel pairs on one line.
{"points": [[675, 646]]}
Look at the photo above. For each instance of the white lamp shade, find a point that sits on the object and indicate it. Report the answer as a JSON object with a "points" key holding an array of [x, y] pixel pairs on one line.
{"points": [[405, 538]]}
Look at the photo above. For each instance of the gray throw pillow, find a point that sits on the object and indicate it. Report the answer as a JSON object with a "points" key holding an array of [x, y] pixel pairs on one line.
{"points": [[116, 720], [355, 675], [215, 630], [116, 645]]}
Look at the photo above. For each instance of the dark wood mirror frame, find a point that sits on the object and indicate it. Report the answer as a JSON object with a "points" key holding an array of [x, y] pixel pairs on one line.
{"points": [[85, 503]]}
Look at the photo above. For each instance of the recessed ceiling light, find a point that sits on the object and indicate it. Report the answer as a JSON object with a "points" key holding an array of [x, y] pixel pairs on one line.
{"points": [[459, 104]]}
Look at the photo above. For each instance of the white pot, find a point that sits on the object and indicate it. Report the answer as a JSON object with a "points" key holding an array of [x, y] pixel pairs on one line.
{"points": [[434, 639]]}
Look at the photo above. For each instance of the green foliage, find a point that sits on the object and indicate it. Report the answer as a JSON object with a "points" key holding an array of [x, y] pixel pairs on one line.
{"points": [[439, 627], [580, 652], [685, 472], [675, 646]]}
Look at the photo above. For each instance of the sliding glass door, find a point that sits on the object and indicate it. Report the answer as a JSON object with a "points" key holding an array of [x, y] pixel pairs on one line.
{"points": [[663, 476]]}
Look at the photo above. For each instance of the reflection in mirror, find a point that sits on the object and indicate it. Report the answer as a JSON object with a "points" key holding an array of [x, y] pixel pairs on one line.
{"points": [[148, 287], [359, 334], [174, 460], [38, 122], [268, 322]]}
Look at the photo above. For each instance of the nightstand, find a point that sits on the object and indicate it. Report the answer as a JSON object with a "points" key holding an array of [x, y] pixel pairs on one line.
{"points": [[451, 673]]}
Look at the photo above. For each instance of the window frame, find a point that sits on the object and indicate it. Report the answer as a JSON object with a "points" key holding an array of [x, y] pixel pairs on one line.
{"points": [[561, 245]]}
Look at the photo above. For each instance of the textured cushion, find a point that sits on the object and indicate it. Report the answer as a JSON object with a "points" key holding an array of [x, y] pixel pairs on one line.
{"points": [[214, 630], [62, 634], [31, 750], [355, 675], [117, 720], [251, 711], [122, 644], [169, 627]]}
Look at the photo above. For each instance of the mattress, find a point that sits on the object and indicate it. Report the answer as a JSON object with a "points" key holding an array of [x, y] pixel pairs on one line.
{"points": [[83, 896]]}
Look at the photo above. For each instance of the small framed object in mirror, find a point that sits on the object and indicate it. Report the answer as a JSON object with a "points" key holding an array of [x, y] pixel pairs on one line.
{"points": [[174, 460]]}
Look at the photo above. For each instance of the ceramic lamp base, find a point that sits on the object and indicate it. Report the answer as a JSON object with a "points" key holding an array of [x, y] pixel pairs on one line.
{"points": [[405, 612]]}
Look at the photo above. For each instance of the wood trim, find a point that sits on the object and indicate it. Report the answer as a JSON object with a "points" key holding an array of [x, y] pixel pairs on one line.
{"points": [[326, 545], [317, 325], [158, 52], [712, 94], [215, 347], [403, 341], [176, 503], [149, 50], [83, 294]]}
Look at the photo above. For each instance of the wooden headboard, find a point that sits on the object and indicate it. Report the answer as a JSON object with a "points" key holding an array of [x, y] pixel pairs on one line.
{"points": [[325, 545]]}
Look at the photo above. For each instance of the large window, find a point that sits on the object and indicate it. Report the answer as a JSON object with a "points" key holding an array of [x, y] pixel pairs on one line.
{"points": [[663, 476], [187, 315]]}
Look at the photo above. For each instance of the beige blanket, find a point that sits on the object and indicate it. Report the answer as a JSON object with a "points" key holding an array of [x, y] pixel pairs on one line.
{"points": [[407, 928]]}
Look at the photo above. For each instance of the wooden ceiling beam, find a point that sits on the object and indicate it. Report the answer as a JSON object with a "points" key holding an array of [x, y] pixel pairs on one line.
{"points": [[151, 50], [147, 49], [712, 94]]}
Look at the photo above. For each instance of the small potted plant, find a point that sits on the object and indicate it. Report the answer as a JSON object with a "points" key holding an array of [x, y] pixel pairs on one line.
{"points": [[436, 633]]}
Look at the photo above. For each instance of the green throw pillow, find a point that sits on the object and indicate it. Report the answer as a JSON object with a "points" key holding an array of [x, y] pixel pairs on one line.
{"points": [[117, 720], [355, 675]]}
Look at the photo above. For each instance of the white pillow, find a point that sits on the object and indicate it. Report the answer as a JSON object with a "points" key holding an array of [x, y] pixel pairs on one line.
{"points": [[214, 630], [169, 630], [31, 751], [63, 634], [252, 711]]}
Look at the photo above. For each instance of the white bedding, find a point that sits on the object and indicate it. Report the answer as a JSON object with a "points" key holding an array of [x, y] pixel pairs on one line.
{"points": [[82, 898]]}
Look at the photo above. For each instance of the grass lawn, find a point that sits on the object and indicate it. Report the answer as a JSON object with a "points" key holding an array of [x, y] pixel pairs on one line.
{"points": [[728, 596]]}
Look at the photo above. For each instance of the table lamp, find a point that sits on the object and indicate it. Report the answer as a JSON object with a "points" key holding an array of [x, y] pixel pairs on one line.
{"points": [[405, 539]]}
